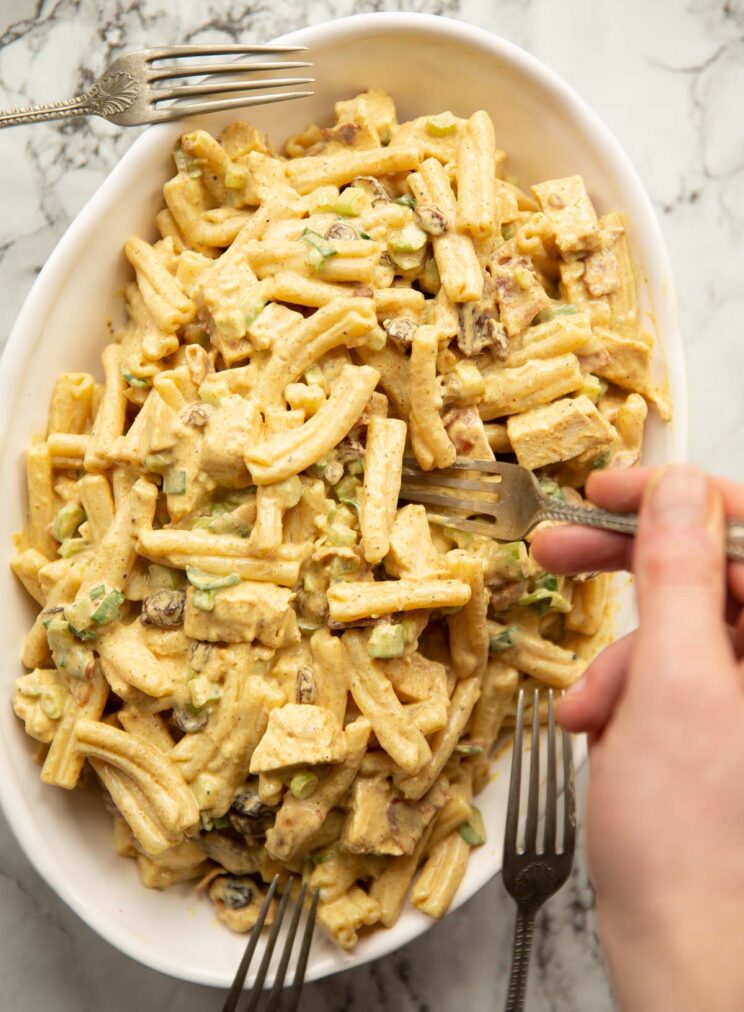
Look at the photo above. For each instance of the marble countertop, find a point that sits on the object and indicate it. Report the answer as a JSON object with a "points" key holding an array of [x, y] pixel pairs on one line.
{"points": [[663, 75]]}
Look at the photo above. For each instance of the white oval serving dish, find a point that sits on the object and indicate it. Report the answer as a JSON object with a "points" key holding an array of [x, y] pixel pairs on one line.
{"points": [[428, 64]]}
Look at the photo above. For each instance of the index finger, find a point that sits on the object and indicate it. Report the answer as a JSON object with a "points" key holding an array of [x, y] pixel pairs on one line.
{"points": [[623, 490], [571, 549]]}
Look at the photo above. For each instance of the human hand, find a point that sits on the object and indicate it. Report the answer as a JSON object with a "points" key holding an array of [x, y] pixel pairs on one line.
{"points": [[664, 709]]}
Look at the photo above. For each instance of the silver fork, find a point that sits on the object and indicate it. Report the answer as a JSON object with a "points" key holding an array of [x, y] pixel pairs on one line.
{"points": [[274, 999], [531, 875], [513, 499], [130, 91]]}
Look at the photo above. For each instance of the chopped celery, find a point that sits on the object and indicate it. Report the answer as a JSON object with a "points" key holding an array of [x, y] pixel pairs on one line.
{"points": [[230, 324], [203, 600], [406, 200], [508, 230], [601, 461], [594, 387], [252, 312], [466, 749], [314, 376], [551, 488], [565, 309], [288, 492], [108, 609], [341, 536], [356, 467], [511, 560], [210, 581], [52, 704], [203, 691], [73, 546], [67, 521], [321, 857], [441, 125], [98, 592], [132, 380], [545, 596], [347, 491], [306, 626], [186, 164], [174, 482], [503, 639], [343, 570], [303, 784], [235, 179], [376, 339], [320, 250], [350, 202], [158, 462], [387, 640], [79, 616], [67, 654], [409, 239], [473, 831], [163, 578]]}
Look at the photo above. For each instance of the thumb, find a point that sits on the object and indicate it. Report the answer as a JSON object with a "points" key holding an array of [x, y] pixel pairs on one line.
{"points": [[680, 569]]}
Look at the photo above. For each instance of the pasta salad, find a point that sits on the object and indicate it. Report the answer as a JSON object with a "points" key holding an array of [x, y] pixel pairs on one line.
{"points": [[268, 663]]}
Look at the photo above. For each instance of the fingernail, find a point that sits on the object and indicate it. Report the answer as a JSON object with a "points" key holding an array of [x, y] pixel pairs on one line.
{"points": [[577, 687], [680, 497]]}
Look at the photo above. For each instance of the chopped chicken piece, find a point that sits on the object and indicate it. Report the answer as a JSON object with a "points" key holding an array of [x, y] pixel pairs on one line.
{"points": [[299, 734], [571, 213], [558, 431], [519, 294], [243, 613]]}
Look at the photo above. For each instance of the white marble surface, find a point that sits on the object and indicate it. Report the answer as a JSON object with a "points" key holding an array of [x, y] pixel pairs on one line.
{"points": [[667, 76]]}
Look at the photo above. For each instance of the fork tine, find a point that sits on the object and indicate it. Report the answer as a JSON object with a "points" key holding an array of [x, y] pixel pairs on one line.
{"points": [[551, 803], [208, 69], [256, 990], [488, 529], [515, 781], [436, 479], [533, 797], [293, 999], [217, 88], [450, 502], [467, 464], [214, 49], [233, 995], [569, 796], [276, 991], [203, 108]]}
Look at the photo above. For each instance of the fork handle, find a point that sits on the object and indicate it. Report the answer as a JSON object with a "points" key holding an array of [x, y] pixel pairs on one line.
{"points": [[53, 110], [627, 523], [520, 959]]}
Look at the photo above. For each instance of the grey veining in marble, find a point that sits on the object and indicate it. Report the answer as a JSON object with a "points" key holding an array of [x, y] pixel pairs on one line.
{"points": [[667, 76]]}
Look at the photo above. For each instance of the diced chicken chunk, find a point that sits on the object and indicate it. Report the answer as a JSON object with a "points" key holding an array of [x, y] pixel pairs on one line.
{"points": [[299, 734], [558, 431], [246, 612], [519, 294], [571, 213], [381, 821], [601, 274]]}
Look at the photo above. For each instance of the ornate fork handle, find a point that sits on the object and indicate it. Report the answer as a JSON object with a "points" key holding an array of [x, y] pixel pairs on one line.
{"points": [[520, 958], [627, 523], [79, 106], [113, 93]]}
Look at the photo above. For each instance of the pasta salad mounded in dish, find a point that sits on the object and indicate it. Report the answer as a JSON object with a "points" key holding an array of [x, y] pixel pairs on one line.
{"points": [[268, 663]]}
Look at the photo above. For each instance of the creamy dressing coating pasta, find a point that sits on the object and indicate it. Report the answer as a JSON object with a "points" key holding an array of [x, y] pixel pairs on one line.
{"points": [[267, 662]]}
